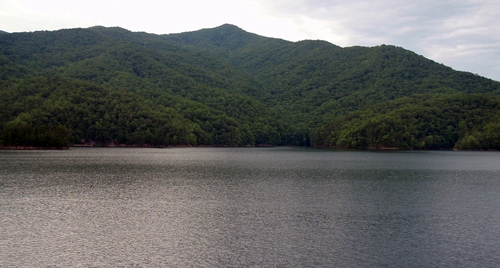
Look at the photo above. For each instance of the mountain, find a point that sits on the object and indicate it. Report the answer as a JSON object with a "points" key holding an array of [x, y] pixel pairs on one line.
{"points": [[224, 86]]}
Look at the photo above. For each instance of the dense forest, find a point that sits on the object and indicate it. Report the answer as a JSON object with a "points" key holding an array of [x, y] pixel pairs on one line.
{"points": [[227, 87]]}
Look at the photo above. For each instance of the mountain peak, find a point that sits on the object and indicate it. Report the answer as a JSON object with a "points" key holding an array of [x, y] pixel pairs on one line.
{"points": [[228, 26], [226, 36]]}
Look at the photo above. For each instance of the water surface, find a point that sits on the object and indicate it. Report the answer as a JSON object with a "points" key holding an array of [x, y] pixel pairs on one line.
{"points": [[248, 207]]}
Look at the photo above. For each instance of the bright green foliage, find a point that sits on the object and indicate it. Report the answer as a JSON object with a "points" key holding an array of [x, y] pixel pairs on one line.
{"points": [[417, 122], [224, 86], [485, 138]]}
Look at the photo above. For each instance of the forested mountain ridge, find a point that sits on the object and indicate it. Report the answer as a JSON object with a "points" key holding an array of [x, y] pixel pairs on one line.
{"points": [[225, 86]]}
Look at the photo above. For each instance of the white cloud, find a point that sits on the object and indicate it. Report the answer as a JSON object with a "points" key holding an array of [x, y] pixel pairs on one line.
{"points": [[467, 40], [15, 16]]}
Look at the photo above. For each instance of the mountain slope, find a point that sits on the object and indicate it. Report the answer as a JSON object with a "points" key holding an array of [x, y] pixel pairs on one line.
{"points": [[292, 67], [225, 86], [324, 80], [119, 62]]}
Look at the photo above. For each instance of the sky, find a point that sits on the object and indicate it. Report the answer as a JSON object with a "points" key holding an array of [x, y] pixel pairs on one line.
{"points": [[462, 34]]}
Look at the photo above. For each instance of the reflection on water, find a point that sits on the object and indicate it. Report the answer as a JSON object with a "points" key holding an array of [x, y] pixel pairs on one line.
{"points": [[219, 207]]}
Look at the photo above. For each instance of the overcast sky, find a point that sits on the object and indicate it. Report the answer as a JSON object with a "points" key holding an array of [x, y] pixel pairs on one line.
{"points": [[463, 34]]}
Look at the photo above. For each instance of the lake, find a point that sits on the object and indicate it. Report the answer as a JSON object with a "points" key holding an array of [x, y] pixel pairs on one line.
{"points": [[249, 207]]}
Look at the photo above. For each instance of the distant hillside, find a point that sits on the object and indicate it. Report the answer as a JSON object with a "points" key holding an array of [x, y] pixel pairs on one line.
{"points": [[225, 86]]}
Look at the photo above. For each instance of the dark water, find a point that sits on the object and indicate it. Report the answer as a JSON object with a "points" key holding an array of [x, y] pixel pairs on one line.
{"points": [[249, 207]]}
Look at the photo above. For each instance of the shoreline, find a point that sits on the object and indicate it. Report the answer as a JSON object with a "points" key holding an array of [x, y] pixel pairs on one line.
{"points": [[30, 148], [35, 148]]}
